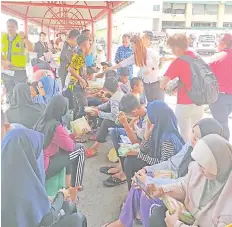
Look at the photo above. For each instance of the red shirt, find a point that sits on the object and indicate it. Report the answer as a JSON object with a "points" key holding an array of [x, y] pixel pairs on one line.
{"points": [[221, 65], [180, 68]]}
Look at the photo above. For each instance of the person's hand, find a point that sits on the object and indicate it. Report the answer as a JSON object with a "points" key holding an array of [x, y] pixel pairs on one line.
{"points": [[108, 69], [122, 118], [94, 112], [83, 83], [142, 171], [6, 64], [65, 193], [172, 219], [141, 176], [132, 153], [156, 191], [22, 35]]}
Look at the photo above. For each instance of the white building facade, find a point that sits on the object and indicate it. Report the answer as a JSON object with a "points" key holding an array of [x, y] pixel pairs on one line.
{"points": [[196, 14]]}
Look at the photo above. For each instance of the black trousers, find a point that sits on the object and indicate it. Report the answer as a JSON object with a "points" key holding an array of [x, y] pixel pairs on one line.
{"points": [[74, 160], [221, 109], [157, 217], [104, 130], [132, 164], [153, 91]]}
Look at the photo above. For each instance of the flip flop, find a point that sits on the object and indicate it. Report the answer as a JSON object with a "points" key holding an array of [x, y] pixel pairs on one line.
{"points": [[113, 181], [89, 153], [106, 169]]}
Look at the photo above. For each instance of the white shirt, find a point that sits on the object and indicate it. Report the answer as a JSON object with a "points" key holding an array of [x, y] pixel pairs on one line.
{"points": [[150, 72]]}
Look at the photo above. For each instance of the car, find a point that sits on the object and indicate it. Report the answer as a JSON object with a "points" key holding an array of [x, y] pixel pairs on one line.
{"points": [[206, 44]]}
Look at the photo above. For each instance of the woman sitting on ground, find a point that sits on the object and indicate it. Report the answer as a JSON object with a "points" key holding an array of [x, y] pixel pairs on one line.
{"points": [[22, 110], [60, 150], [34, 89], [23, 180], [161, 140], [205, 190], [48, 88], [137, 202]]}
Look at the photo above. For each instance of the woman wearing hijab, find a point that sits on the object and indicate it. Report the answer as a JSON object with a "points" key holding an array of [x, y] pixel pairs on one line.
{"points": [[22, 110], [137, 201], [60, 150], [25, 202], [205, 190], [148, 62], [48, 88], [162, 140]]}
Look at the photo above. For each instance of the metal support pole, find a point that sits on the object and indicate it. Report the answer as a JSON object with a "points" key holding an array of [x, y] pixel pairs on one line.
{"points": [[25, 25], [93, 30], [109, 35]]}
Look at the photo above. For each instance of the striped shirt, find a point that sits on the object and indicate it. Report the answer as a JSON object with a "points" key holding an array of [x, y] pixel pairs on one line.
{"points": [[167, 151]]}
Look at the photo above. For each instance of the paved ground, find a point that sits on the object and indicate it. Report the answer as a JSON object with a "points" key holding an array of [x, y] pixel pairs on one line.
{"points": [[98, 203]]}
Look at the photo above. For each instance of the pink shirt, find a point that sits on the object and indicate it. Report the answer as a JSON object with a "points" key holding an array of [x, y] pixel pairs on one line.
{"points": [[61, 140]]}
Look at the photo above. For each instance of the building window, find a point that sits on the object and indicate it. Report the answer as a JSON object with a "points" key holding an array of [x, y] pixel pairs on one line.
{"points": [[228, 9], [196, 24], [156, 8], [173, 24], [227, 24], [205, 9], [174, 8]]}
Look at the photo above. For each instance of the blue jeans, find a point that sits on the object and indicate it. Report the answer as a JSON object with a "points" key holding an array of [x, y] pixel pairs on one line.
{"points": [[221, 110]]}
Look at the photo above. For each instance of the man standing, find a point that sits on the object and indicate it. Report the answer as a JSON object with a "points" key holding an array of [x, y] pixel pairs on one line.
{"points": [[221, 65], [66, 55], [14, 56], [89, 59], [42, 45], [124, 52], [78, 78]]}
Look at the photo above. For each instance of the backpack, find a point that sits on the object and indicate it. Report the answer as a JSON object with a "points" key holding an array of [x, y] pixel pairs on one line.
{"points": [[204, 88]]}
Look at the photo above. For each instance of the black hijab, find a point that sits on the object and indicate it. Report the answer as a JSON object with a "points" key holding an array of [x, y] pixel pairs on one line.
{"points": [[22, 110], [207, 126], [52, 118]]}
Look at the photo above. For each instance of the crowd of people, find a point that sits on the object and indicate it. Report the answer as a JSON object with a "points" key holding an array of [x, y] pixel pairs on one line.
{"points": [[162, 154]]}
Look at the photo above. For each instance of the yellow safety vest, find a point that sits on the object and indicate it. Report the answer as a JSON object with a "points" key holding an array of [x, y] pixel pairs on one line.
{"points": [[18, 51]]}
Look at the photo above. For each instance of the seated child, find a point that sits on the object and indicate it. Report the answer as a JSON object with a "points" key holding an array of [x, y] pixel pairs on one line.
{"points": [[108, 112], [124, 82], [136, 87]]}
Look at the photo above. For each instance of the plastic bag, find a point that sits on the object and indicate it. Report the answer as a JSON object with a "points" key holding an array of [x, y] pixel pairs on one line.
{"points": [[125, 148], [165, 174], [80, 127], [172, 204], [112, 155]]}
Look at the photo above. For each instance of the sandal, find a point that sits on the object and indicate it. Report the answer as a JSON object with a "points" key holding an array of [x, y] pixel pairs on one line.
{"points": [[106, 169], [90, 154], [113, 181]]}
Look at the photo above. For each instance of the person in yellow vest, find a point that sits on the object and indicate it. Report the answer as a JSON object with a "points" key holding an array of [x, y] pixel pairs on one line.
{"points": [[14, 55]]}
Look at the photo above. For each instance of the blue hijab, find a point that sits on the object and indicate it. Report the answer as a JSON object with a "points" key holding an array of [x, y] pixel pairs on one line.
{"points": [[24, 200], [165, 127], [51, 89]]}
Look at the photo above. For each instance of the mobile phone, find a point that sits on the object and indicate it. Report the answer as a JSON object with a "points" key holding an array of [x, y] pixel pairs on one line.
{"points": [[143, 187]]}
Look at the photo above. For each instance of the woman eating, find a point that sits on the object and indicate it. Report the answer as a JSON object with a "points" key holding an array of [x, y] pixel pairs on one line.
{"points": [[60, 150], [161, 140], [148, 61], [205, 190], [22, 110], [22, 181], [48, 88], [137, 202]]}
